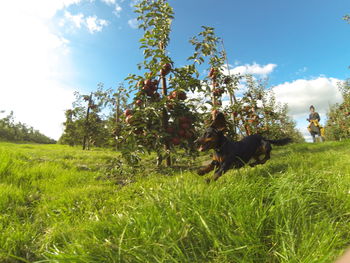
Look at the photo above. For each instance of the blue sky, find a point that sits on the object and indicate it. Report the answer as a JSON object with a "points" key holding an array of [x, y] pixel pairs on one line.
{"points": [[66, 45], [292, 34]]}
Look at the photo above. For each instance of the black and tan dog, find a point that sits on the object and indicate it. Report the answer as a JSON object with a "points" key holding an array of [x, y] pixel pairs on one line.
{"points": [[229, 154]]}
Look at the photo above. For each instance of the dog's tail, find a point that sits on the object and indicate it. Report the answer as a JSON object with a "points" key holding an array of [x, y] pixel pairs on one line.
{"points": [[280, 142]]}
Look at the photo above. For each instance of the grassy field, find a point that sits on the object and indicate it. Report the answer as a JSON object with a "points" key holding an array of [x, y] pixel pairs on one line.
{"points": [[60, 204]]}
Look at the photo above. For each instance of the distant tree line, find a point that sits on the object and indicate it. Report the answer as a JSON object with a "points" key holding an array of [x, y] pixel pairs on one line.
{"points": [[20, 132]]}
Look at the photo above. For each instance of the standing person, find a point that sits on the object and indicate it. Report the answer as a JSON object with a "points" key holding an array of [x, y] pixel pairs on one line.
{"points": [[314, 126]]}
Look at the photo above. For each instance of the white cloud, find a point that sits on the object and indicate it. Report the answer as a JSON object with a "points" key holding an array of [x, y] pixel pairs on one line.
{"points": [[300, 94], [95, 24], [133, 23], [91, 23], [109, 2], [77, 20], [35, 64], [117, 10], [301, 70], [254, 69]]}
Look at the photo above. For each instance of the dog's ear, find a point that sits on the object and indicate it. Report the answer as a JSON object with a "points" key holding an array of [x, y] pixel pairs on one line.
{"points": [[219, 122]]}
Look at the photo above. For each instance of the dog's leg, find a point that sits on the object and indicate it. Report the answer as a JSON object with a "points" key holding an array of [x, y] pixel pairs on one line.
{"points": [[267, 157], [218, 174], [258, 153], [222, 169], [265, 148], [257, 161], [206, 169]]}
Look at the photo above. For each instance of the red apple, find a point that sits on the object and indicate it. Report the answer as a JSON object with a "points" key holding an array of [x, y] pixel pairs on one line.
{"points": [[148, 82], [154, 85], [182, 133], [174, 94], [212, 73], [148, 90], [129, 119], [185, 125], [165, 69], [184, 119], [170, 105], [170, 130], [127, 112], [218, 92], [138, 102], [176, 140], [182, 95], [189, 135]]}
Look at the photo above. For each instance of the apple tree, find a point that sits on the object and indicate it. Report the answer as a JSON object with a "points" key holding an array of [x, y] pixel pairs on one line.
{"points": [[85, 122], [254, 110], [258, 112], [338, 123], [161, 117]]}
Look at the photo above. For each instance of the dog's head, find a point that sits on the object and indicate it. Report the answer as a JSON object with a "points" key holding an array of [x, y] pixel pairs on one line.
{"points": [[211, 136]]}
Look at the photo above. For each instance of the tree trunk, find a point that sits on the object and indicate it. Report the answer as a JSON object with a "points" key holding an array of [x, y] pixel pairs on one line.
{"points": [[87, 123], [213, 101], [231, 92], [117, 118], [165, 122]]}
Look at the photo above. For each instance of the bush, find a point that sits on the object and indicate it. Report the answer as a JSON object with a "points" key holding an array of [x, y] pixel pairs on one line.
{"points": [[338, 123]]}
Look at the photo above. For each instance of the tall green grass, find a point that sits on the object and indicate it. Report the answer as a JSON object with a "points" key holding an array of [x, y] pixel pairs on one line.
{"points": [[60, 204]]}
